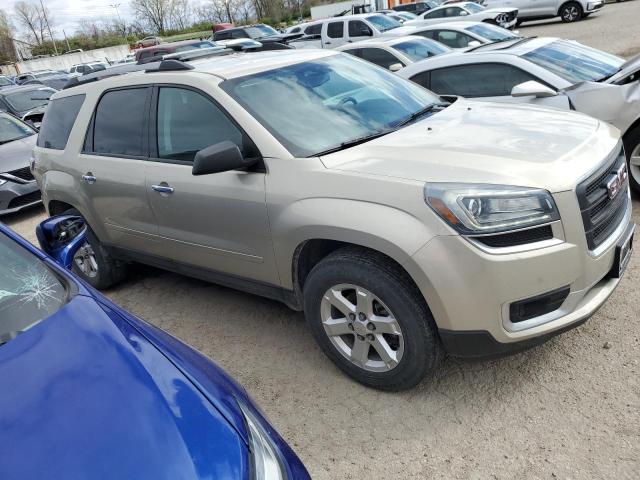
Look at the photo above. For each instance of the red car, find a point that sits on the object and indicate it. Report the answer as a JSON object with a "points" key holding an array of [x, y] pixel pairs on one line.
{"points": [[166, 48]]}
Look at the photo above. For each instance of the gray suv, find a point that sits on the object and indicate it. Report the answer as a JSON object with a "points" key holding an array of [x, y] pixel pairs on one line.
{"points": [[404, 226]]}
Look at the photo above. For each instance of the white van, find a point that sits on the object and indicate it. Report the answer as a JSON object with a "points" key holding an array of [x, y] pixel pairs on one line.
{"points": [[337, 31], [567, 10]]}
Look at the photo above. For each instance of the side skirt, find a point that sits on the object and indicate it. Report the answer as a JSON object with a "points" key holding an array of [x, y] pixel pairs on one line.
{"points": [[232, 281]]}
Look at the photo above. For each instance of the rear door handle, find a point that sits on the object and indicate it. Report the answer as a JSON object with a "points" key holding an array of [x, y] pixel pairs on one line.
{"points": [[162, 188], [88, 178]]}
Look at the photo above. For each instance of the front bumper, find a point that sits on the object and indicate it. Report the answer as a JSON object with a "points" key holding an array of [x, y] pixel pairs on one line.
{"points": [[469, 291], [16, 196]]}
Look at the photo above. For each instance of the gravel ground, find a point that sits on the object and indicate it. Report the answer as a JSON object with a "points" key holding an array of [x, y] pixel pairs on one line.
{"points": [[568, 409]]}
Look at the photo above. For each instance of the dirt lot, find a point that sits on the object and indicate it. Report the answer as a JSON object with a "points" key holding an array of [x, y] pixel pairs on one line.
{"points": [[568, 409]]}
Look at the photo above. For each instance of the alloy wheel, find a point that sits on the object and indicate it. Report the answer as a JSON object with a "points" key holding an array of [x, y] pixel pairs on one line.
{"points": [[362, 328], [85, 259], [571, 13]]}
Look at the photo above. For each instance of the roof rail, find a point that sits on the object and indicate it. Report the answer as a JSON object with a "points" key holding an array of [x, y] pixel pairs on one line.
{"points": [[156, 66]]}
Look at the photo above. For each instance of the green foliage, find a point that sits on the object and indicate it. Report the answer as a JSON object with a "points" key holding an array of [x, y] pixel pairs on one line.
{"points": [[83, 42]]}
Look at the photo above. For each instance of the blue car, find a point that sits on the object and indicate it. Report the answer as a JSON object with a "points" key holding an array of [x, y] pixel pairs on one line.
{"points": [[89, 391]]}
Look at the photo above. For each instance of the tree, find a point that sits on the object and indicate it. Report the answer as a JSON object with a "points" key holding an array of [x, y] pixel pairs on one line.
{"points": [[154, 13], [33, 17], [28, 16], [180, 14], [7, 49]]}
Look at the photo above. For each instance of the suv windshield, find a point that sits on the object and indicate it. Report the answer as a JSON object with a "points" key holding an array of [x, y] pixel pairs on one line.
{"points": [[4, 81], [383, 23], [13, 129], [29, 291], [259, 31], [27, 100], [574, 62], [492, 32], [315, 106]]}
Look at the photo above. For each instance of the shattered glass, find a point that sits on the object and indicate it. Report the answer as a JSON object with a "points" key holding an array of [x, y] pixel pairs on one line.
{"points": [[29, 290]]}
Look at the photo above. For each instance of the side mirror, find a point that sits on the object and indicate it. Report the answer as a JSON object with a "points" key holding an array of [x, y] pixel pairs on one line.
{"points": [[463, 13], [532, 89], [473, 43], [394, 67], [220, 157]]}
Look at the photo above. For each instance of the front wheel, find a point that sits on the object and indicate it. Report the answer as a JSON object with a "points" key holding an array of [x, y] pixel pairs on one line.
{"points": [[632, 150], [571, 12], [93, 263], [371, 320]]}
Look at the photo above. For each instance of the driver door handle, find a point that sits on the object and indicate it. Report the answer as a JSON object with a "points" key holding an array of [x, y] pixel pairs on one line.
{"points": [[88, 178], [162, 188]]}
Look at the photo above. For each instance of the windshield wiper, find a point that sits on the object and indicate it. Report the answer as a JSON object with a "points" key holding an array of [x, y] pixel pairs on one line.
{"points": [[431, 108], [354, 142]]}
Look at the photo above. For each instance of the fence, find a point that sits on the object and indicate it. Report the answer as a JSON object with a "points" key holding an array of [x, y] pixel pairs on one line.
{"points": [[64, 62]]}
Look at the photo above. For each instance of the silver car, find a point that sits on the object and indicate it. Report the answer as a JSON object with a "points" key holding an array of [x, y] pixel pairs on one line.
{"points": [[545, 71], [18, 188]]}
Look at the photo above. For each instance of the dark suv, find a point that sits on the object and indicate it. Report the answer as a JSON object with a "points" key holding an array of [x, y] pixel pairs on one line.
{"points": [[270, 38], [416, 7]]}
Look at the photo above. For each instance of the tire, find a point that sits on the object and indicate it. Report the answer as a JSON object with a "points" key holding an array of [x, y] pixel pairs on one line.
{"points": [[109, 271], [396, 301], [632, 149], [570, 12]]}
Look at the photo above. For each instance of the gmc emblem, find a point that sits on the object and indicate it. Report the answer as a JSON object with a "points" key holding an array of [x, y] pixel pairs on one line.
{"points": [[615, 181]]}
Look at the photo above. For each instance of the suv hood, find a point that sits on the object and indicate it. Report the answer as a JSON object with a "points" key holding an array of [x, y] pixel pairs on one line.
{"points": [[16, 154], [90, 397], [480, 142]]}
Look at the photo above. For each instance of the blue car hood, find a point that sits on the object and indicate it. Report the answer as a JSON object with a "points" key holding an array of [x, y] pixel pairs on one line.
{"points": [[84, 395]]}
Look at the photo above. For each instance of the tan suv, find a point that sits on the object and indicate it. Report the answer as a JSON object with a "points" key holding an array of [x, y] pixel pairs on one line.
{"points": [[403, 225]]}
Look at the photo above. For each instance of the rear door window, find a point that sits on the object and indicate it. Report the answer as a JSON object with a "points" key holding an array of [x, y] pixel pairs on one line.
{"points": [[57, 123], [315, 29], [380, 57], [357, 28], [478, 80], [335, 29], [120, 123], [452, 39]]}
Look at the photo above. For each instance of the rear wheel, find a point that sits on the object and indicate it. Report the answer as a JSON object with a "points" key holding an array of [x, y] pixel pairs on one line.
{"points": [[371, 320], [632, 150], [571, 12], [94, 264]]}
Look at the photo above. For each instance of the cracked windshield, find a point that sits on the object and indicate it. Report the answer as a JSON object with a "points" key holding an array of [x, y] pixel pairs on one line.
{"points": [[29, 291]]}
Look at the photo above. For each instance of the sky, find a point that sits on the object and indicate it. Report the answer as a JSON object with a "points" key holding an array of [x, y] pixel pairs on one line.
{"points": [[67, 13]]}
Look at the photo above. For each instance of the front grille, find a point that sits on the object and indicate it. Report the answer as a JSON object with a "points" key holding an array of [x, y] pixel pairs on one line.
{"points": [[601, 215], [24, 200], [22, 173], [514, 239]]}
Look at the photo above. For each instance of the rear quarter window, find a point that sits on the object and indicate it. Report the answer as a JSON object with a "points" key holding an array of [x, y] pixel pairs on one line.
{"points": [[58, 121]]}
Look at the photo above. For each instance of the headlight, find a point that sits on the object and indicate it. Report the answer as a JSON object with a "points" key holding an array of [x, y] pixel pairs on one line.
{"points": [[265, 459], [481, 209]]}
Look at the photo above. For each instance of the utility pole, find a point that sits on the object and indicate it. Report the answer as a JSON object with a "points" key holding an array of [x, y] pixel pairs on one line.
{"points": [[44, 14], [65, 39], [115, 6]]}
